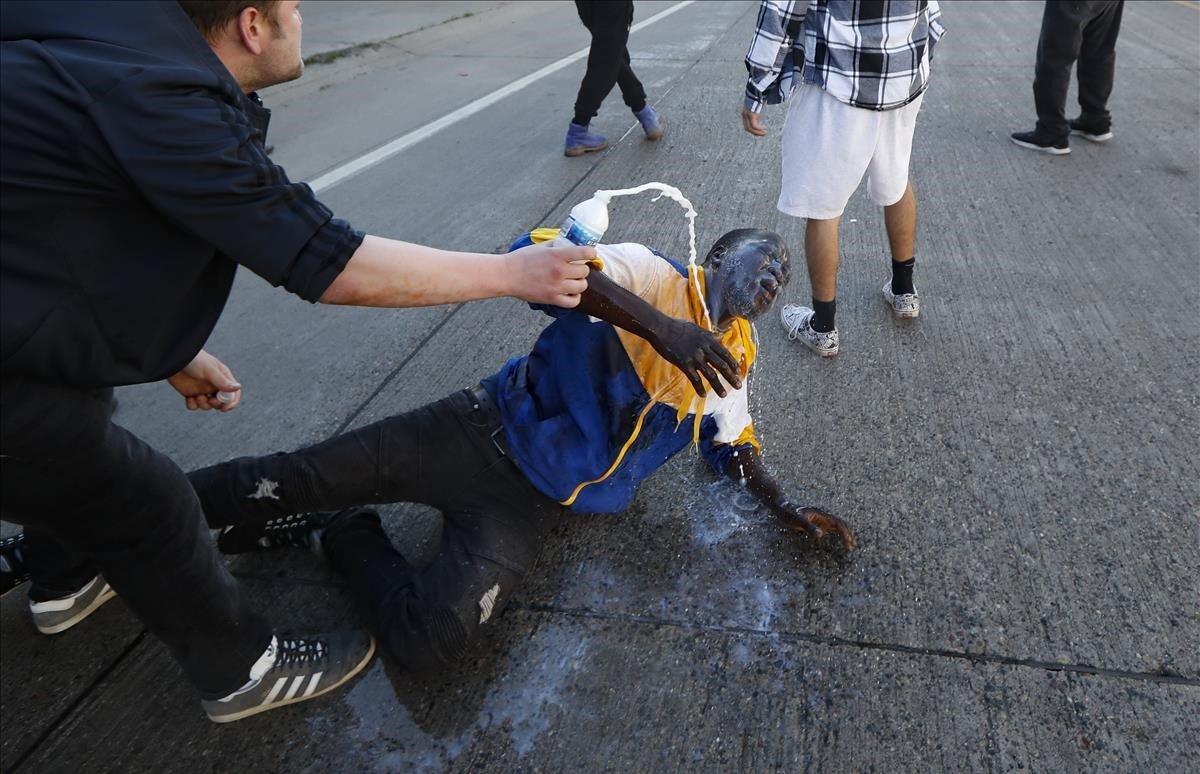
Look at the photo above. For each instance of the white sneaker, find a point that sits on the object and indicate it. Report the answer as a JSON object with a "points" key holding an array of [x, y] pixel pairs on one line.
{"points": [[797, 321], [905, 305]]}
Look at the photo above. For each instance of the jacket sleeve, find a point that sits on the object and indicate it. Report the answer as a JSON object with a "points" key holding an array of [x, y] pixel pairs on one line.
{"points": [[195, 158], [728, 429], [780, 23]]}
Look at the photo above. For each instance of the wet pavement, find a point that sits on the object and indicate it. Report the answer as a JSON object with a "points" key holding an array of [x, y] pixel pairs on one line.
{"points": [[1020, 464]]}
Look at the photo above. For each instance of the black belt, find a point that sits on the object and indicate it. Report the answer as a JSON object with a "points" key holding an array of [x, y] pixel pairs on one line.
{"points": [[482, 399]]}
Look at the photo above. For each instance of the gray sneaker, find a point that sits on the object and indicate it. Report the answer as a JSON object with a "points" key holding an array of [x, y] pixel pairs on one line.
{"points": [[300, 669], [904, 305], [797, 321], [57, 615]]}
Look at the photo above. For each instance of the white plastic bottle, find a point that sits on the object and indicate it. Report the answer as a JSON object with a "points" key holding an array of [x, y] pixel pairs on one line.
{"points": [[587, 222]]}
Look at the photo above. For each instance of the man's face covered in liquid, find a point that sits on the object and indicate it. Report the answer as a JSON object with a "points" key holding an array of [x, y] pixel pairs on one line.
{"points": [[750, 267]]}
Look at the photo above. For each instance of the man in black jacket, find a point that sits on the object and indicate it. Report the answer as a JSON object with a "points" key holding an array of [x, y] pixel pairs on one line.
{"points": [[134, 183]]}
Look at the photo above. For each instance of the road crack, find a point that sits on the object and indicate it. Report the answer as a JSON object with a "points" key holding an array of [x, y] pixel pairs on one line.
{"points": [[825, 639]]}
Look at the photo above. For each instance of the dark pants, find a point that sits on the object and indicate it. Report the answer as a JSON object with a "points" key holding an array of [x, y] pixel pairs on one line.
{"points": [[95, 497], [447, 455], [608, 58], [1083, 31]]}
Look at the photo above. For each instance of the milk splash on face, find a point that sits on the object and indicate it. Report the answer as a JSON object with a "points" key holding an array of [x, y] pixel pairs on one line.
{"points": [[689, 212]]}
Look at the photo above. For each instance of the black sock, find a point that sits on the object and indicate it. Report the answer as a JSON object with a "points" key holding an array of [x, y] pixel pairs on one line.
{"points": [[902, 276], [822, 321]]}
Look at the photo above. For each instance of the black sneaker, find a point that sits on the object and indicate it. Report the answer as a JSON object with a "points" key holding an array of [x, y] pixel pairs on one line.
{"points": [[303, 669], [299, 530], [1090, 132], [13, 571], [1037, 142]]}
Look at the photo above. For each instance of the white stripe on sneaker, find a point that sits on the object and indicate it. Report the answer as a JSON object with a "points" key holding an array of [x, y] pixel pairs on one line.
{"points": [[312, 684], [275, 691], [291, 694]]}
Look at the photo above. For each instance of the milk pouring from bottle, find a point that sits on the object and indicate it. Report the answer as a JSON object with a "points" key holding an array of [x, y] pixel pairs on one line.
{"points": [[586, 224]]}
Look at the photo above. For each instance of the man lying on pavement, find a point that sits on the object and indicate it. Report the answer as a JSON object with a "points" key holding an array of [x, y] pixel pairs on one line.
{"points": [[577, 424]]}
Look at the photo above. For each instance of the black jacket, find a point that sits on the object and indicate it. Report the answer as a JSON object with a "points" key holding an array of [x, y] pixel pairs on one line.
{"points": [[132, 181]]}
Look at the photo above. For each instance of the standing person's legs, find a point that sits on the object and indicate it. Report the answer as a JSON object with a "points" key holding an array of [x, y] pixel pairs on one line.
{"points": [[1058, 47], [827, 146], [608, 21], [1097, 62], [821, 251], [98, 490], [900, 220], [889, 186], [632, 91]]}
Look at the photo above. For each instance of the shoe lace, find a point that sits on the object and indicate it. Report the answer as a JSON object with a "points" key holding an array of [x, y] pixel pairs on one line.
{"points": [[795, 325], [301, 652]]}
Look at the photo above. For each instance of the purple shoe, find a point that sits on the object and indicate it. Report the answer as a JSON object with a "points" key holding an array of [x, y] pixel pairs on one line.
{"points": [[651, 122], [581, 141]]}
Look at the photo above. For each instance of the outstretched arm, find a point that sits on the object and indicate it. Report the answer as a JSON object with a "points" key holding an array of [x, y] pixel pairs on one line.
{"points": [[688, 347], [389, 273], [746, 464]]}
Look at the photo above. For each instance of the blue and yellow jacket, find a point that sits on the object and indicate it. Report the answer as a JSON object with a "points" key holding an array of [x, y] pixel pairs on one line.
{"points": [[593, 410]]}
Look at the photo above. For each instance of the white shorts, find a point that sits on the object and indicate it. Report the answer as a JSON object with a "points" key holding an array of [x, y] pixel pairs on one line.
{"points": [[828, 146]]}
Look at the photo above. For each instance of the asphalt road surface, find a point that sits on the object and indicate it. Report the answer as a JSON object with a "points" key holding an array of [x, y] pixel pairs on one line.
{"points": [[1020, 464]]}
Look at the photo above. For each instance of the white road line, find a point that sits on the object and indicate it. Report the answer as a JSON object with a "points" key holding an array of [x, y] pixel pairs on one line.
{"points": [[386, 151]]}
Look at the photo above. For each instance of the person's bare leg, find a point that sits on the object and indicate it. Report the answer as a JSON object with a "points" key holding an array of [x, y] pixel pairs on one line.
{"points": [[821, 253], [900, 220]]}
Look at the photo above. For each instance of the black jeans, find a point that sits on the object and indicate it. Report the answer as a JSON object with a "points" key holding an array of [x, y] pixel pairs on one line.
{"points": [[1076, 29], [608, 58], [95, 497], [448, 455]]}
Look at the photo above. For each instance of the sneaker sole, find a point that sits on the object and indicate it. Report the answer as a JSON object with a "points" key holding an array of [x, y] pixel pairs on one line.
{"points": [[1093, 137], [821, 352], [1043, 148], [901, 315], [276, 705], [62, 626], [573, 152]]}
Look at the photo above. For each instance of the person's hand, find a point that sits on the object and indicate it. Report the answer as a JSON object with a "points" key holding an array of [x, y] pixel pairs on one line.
{"points": [[207, 383], [814, 522], [697, 353], [541, 274], [752, 122]]}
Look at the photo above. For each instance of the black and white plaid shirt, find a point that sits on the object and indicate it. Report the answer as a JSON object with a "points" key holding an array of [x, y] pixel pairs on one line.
{"points": [[871, 54]]}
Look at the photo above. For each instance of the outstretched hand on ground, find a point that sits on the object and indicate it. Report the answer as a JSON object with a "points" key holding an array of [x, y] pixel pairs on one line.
{"points": [[815, 523]]}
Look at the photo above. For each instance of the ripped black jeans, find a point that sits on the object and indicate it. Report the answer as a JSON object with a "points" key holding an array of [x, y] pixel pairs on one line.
{"points": [[449, 455]]}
